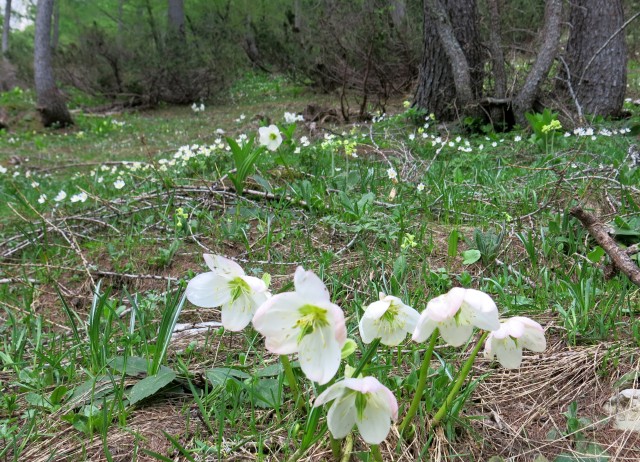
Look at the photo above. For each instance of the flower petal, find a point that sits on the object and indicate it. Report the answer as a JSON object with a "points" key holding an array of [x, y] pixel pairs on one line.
{"points": [[310, 286], [208, 290], [508, 353], [533, 337], [319, 355], [276, 319], [377, 309], [334, 391], [480, 310], [368, 329], [455, 334], [222, 265], [342, 415], [237, 314], [424, 327], [376, 419]]}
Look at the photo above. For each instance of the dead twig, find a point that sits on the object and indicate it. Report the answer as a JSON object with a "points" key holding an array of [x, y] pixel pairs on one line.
{"points": [[619, 257]]}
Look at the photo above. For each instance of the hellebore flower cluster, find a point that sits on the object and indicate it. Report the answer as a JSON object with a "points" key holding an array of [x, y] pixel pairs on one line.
{"points": [[306, 322]]}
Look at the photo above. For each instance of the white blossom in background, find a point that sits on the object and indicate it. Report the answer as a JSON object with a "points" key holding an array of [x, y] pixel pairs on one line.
{"points": [[80, 197], [291, 118], [3, 170], [363, 402], [305, 322], [228, 287], [60, 196], [270, 137], [420, 187], [514, 334], [42, 198], [455, 314], [119, 183], [392, 174]]}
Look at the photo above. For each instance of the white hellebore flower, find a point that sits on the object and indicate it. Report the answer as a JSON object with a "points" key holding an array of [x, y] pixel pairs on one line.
{"points": [[228, 287], [364, 402], [307, 323], [388, 319], [455, 314], [515, 334], [270, 137]]}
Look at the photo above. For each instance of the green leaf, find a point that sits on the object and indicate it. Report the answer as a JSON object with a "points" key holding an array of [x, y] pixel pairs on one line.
{"points": [[399, 267], [454, 237], [133, 366], [58, 394], [266, 393], [220, 375], [149, 386], [272, 370], [596, 254], [471, 256]]}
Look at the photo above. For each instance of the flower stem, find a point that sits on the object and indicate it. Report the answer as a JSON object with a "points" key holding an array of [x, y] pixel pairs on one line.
{"points": [[291, 378], [422, 381], [335, 448], [462, 376], [375, 452], [348, 448], [366, 357]]}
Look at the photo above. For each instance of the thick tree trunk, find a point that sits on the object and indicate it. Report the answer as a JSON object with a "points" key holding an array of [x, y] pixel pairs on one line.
{"points": [[51, 105], [550, 37], [6, 27], [597, 55], [456, 21]]}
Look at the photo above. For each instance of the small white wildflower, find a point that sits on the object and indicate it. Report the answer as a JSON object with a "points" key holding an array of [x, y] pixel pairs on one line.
{"points": [[80, 197], [291, 118], [412, 136], [517, 139], [35, 184], [420, 187], [119, 183], [391, 172], [60, 197], [494, 144], [42, 198]]}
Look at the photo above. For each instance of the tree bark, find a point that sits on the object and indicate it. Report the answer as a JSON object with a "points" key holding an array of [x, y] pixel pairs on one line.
{"points": [[452, 60], [51, 105], [6, 27], [175, 12], [550, 35], [597, 55]]}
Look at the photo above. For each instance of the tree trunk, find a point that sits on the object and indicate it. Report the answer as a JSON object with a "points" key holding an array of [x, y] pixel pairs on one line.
{"points": [[175, 12], [550, 36], [6, 27], [455, 21], [51, 105], [55, 36], [597, 56]]}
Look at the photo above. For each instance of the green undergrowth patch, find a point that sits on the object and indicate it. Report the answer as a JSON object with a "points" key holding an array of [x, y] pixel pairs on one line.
{"points": [[101, 226]]}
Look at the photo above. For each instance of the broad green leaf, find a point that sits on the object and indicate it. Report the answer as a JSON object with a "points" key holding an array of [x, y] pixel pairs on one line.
{"points": [[150, 385], [596, 254], [266, 393], [220, 375], [471, 256]]}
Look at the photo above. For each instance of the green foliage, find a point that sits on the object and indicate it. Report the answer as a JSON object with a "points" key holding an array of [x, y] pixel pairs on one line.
{"points": [[544, 126]]}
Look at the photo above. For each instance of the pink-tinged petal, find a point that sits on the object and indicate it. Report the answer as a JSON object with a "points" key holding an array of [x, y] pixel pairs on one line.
{"points": [[319, 355], [208, 290], [455, 334], [445, 306], [339, 326], [488, 345], [276, 319], [342, 415], [533, 337], [334, 391], [508, 353], [237, 315], [376, 419], [502, 333], [479, 310], [310, 286], [377, 309], [424, 328], [222, 265]]}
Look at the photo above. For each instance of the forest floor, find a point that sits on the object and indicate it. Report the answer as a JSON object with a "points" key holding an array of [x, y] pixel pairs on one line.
{"points": [[103, 224]]}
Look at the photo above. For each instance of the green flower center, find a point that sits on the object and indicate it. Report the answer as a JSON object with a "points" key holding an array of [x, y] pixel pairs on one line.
{"points": [[390, 320], [273, 136], [312, 318], [238, 288]]}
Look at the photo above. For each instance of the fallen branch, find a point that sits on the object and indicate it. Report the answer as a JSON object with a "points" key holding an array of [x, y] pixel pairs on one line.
{"points": [[619, 257]]}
